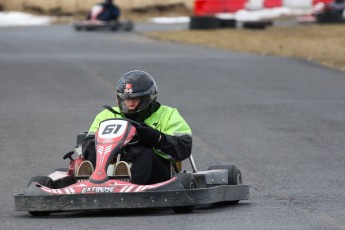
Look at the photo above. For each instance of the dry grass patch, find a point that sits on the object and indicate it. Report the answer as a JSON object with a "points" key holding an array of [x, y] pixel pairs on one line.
{"points": [[324, 44], [169, 10]]}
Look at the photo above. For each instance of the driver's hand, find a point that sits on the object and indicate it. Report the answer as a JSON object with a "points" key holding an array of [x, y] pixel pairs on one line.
{"points": [[148, 136]]}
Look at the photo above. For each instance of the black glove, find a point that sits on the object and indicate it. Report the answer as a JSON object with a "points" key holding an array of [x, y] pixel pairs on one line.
{"points": [[148, 136]]}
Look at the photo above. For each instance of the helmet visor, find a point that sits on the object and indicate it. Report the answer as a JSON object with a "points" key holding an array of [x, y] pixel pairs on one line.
{"points": [[126, 105]]}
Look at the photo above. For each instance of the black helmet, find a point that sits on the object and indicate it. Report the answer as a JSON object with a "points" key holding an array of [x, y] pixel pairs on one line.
{"points": [[137, 84]]}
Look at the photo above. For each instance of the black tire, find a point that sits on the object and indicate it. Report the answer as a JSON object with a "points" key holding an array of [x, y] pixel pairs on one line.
{"points": [[204, 22], [234, 174], [43, 180], [128, 26], [90, 28], [327, 18], [234, 177], [64, 182], [269, 23], [113, 28], [255, 25], [227, 23], [188, 182], [47, 182]]}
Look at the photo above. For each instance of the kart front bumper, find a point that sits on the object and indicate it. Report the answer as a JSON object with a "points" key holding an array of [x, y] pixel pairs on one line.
{"points": [[112, 201]]}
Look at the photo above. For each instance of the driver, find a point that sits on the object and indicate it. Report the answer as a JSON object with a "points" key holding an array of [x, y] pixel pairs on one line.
{"points": [[163, 137], [105, 12], [337, 7]]}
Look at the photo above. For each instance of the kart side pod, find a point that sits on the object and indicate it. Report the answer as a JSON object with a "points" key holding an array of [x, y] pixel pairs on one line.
{"points": [[210, 178]]}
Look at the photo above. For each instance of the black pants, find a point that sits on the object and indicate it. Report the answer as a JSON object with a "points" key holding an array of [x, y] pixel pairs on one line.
{"points": [[147, 167]]}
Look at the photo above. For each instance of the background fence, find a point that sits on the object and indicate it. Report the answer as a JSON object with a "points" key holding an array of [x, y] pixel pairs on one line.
{"points": [[83, 5], [71, 6]]}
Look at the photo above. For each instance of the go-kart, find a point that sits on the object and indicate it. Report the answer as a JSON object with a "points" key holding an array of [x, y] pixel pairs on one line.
{"points": [[328, 16], [322, 13], [64, 190], [125, 25]]}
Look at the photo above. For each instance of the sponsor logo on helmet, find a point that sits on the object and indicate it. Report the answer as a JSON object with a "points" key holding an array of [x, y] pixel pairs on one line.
{"points": [[128, 88]]}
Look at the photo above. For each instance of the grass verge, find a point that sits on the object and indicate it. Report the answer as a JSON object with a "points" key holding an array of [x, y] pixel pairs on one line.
{"points": [[324, 44]]}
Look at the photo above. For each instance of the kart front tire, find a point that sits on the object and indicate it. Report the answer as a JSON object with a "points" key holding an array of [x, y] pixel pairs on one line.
{"points": [[188, 182], [42, 180], [234, 177], [47, 182], [234, 174]]}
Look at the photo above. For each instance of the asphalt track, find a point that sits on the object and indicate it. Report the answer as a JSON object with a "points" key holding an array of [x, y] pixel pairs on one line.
{"points": [[280, 120]]}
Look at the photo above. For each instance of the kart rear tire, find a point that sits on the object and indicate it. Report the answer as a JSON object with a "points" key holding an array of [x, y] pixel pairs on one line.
{"points": [[188, 182], [114, 28], [77, 28], [47, 182], [234, 177], [127, 26]]}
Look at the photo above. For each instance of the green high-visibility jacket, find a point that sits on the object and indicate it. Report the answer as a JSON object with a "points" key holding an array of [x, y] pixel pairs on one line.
{"points": [[167, 120]]}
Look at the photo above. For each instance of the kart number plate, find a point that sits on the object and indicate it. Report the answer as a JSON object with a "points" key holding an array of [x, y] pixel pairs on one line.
{"points": [[112, 129]]}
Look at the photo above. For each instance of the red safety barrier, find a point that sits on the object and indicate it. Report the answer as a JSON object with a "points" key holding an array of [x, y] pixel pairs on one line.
{"points": [[272, 3], [324, 1], [234, 5], [207, 7], [211, 7]]}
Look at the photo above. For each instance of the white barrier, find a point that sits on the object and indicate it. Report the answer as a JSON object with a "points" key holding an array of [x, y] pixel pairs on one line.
{"points": [[299, 4], [255, 4], [302, 4]]}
